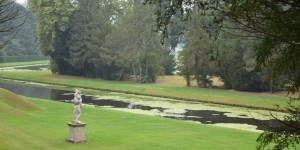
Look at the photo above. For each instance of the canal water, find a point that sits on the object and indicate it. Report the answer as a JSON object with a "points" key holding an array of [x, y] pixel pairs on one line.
{"points": [[27, 68], [219, 115], [35, 67]]}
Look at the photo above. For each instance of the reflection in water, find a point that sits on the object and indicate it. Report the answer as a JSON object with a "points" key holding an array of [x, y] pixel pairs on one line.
{"points": [[26, 68], [203, 116], [36, 67], [27, 90], [213, 117]]}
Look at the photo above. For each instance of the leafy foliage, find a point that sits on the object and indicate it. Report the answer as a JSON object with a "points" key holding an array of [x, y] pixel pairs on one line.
{"points": [[276, 23], [88, 30], [137, 43], [53, 17], [287, 135], [235, 65], [83, 38], [52, 30], [197, 49]]}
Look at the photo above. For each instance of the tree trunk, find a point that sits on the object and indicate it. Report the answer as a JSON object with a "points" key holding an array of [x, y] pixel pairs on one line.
{"points": [[198, 81], [134, 72], [197, 70], [146, 73], [140, 66], [271, 84], [188, 78]]}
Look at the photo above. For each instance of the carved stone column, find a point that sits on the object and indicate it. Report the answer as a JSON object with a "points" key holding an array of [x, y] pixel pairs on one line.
{"points": [[76, 133]]}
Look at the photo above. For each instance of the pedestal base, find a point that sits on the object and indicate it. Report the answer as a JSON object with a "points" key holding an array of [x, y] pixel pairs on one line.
{"points": [[76, 133]]}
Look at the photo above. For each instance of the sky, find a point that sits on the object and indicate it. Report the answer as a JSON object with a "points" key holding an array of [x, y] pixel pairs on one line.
{"points": [[21, 1]]}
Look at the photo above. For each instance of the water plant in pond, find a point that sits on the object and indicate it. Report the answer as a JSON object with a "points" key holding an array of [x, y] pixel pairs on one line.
{"points": [[163, 107]]}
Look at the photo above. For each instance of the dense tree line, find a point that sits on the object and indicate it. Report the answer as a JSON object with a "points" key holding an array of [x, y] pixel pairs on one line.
{"points": [[17, 30], [115, 40], [108, 39], [274, 23], [228, 57]]}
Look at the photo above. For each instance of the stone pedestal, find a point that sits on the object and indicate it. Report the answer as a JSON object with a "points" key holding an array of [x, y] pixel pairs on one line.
{"points": [[76, 133]]}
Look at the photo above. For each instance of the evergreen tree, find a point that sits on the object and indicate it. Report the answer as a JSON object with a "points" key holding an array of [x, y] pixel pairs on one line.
{"points": [[235, 68], [89, 55], [198, 49], [81, 37], [139, 45], [169, 63]]}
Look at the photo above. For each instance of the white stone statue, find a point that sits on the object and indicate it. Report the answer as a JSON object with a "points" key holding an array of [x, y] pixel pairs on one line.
{"points": [[77, 104], [76, 127]]}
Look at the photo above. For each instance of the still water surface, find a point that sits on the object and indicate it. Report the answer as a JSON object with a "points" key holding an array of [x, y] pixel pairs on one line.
{"points": [[234, 117], [27, 68]]}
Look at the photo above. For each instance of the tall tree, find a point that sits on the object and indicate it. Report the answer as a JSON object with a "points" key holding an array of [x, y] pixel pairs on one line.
{"points": [[88, 31], [24, 41], [92, 23], [27, 35], [169, 63], [52, 30], [9, 13], [198, 49], [235, 66], [141, 47], [185, 66], [175, 33]]}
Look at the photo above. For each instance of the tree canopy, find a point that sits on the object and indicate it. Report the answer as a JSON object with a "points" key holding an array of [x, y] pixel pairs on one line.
{"points": [[83, 38], [276, 23]]}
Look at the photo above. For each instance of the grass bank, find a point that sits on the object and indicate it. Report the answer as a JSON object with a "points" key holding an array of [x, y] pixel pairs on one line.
{"points": [[205, 95], [11, 104], [14, 64], [45, 128]]}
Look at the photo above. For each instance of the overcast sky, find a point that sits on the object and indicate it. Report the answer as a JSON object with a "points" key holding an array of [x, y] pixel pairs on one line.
{"points": [[21, 1]]}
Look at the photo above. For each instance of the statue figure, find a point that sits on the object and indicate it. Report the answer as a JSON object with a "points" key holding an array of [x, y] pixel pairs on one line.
{"points": [[76, 127], [77, 104]]}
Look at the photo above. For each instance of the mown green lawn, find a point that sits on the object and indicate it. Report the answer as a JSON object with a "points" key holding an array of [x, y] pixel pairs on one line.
{"points": [[45, 128], [13, 64], [207, 95]]}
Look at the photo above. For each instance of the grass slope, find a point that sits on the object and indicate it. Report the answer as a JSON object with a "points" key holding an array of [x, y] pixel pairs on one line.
{"points": [[108, 129], [207, 95], [13, 105]]}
